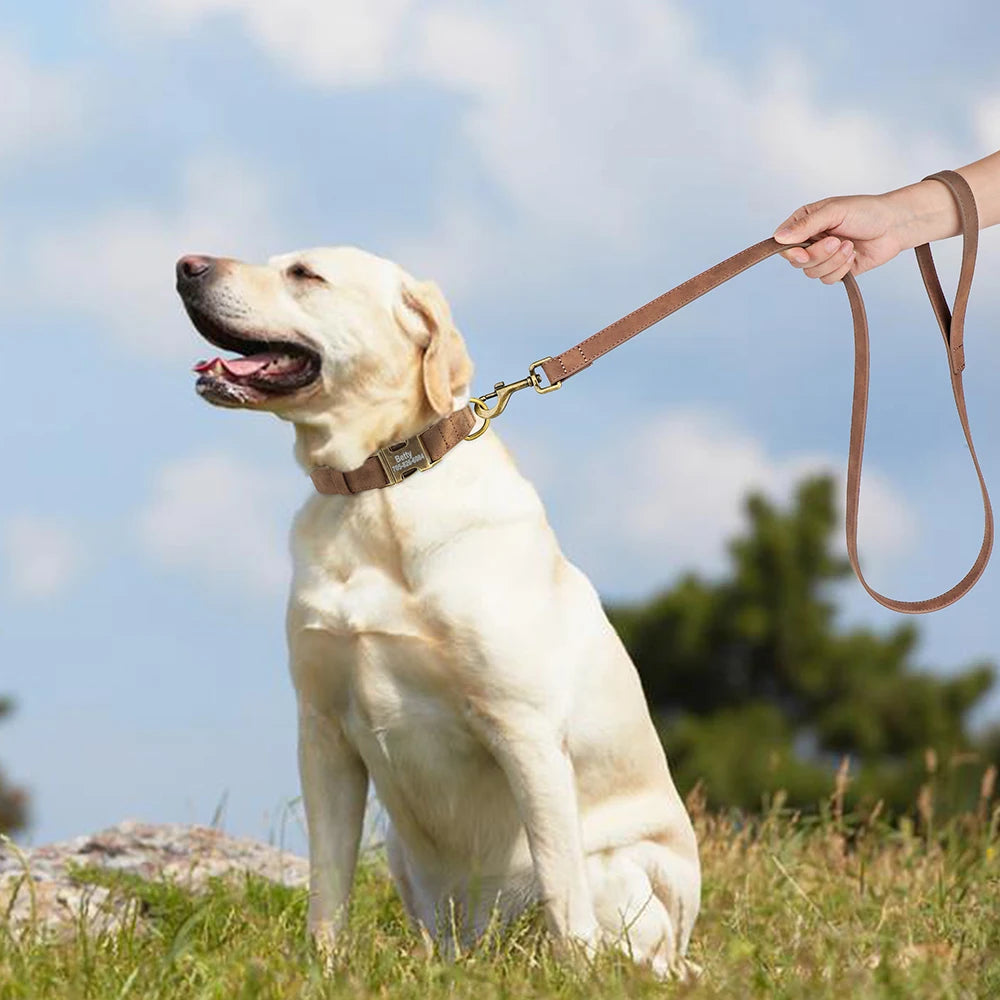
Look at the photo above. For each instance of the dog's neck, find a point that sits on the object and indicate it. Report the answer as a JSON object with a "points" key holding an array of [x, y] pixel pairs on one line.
{"points": [[324, 440]]}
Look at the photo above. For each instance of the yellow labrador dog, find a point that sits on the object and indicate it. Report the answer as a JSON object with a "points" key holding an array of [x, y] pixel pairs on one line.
{"points": [[440, 643]]}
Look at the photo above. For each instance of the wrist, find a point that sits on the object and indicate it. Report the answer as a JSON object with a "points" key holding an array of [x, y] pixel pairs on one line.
{"points": [[924, 212]]}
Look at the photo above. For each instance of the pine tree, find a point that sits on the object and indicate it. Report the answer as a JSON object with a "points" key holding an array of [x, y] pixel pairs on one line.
{"points": [[757, 688]]}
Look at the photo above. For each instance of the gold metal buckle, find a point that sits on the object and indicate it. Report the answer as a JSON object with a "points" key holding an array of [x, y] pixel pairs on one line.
{"points": [[502, 393], [404, 458]]}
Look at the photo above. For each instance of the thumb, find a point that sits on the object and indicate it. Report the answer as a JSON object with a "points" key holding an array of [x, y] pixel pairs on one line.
{"points": [[807, 222]]}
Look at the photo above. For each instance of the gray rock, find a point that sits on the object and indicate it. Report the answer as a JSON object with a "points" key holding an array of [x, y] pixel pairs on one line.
{"points": [[39, 894]]}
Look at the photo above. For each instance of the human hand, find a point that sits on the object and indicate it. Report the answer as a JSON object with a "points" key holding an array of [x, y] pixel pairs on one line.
{"points": [[855, 233]]}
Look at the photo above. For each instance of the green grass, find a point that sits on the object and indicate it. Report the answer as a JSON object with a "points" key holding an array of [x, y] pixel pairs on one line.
{"points": [[792, 907]]}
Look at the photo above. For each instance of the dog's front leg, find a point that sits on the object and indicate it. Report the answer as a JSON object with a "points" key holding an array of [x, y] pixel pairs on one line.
{"points": [[537, 765], [335, 788]]}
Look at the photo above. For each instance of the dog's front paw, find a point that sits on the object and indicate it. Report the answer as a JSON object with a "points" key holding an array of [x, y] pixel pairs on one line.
{"points": [[579, 944]]}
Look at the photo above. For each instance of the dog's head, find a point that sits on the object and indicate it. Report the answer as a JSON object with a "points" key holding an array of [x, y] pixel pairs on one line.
{"points": [[343, 343]]}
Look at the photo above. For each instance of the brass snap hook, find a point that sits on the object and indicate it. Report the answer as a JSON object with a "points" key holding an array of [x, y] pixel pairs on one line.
{"points": [[502, 393]]}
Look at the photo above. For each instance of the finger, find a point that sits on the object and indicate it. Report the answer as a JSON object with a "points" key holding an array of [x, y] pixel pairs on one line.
{"points": [[797, 256], [815, 255], [835, 276], [833, 262], [808, 221]]}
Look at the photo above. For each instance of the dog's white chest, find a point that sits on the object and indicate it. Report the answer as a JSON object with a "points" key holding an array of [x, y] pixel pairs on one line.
{"points": [[376, 646], [368, 601]]}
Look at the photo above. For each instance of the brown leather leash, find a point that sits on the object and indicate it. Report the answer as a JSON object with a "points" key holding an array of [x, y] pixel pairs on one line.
{"points": [[952, 322]]}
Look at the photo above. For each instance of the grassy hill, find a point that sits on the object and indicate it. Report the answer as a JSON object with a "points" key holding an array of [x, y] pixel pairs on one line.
{"points": [[810, 907]]}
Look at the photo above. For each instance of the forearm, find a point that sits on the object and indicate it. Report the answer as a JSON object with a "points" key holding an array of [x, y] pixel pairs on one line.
{"points": [[927, 209]]}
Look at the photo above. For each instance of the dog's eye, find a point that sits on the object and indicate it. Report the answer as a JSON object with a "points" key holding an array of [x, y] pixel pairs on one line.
{"points": [[302, 273]]}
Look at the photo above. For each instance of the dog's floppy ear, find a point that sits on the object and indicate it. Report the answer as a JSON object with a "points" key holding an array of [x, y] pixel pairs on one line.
{"points": [[425, 315]]}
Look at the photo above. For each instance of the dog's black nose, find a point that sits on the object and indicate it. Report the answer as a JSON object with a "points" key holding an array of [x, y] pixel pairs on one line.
{"points": [[194, 267]]}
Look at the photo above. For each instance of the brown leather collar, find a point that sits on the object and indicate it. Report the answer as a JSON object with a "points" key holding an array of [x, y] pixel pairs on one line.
{"points": [[395, 462]]}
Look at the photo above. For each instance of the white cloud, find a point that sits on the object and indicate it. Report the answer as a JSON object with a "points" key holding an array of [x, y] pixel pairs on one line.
{"points": [[718, 466], [343, 42], [118, 266], [40, 109], [688, 476], [42, 556], [221, 519]]}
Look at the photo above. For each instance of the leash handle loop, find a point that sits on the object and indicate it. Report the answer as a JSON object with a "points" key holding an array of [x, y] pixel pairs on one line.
{"points": [[952, 323]]}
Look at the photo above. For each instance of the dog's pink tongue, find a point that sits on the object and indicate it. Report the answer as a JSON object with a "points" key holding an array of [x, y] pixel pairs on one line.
{"points": [[240, 367]]}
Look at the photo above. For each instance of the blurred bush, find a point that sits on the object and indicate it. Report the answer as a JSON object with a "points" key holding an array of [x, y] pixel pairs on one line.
{"points": [[756, 688], [13, 801]]}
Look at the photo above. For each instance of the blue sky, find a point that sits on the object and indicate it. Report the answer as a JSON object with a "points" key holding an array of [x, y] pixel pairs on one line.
{"points": [[551, 166]]}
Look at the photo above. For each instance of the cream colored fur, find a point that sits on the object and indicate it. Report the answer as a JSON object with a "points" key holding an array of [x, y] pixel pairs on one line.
{"points": [[444, 649]]}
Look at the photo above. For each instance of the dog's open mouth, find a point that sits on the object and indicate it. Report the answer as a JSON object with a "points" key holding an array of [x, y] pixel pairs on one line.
{"points": [[268, 366]]}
